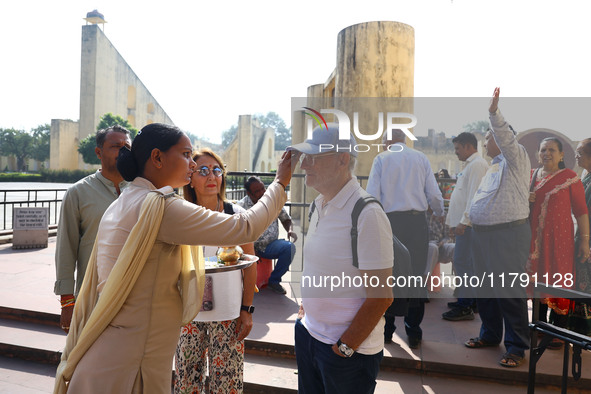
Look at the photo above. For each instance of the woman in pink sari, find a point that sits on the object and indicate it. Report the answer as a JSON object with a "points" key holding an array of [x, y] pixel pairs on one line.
{"points": [[557, 193]]}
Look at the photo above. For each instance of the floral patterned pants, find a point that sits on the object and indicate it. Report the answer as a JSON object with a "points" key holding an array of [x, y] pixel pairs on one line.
{"points": [[217, 343]]}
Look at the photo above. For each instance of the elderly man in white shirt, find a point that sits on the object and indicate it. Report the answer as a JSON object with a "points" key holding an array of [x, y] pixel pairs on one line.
{"points": [[403, 181], [458, 220], [338, 341]]}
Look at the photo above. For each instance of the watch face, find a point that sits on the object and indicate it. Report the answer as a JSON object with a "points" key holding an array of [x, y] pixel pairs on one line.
{"points": [[346, 350]]}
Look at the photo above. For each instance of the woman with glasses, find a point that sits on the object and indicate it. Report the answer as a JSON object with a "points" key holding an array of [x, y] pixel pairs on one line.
{"points": [[141, 284], [221, 341]]}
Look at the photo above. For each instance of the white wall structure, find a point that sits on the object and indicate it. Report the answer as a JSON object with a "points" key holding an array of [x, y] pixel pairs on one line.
{"points": [[107, 84]]}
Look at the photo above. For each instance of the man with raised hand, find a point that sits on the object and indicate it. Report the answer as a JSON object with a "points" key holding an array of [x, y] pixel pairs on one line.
{"points": [[501, 239]]}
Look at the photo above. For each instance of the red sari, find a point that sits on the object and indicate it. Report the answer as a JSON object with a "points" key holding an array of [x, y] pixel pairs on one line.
{"points": [[552, 248]]}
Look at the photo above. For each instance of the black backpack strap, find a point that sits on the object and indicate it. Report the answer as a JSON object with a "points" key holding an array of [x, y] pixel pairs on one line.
{"points": [[312, 209], [359, 205], [228, 208]]}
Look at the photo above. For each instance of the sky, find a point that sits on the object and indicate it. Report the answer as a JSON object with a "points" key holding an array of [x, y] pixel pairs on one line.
{"points": [[206, 63]]}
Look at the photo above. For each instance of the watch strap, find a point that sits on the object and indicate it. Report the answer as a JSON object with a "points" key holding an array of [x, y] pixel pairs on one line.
{"points": [[247, 308]]}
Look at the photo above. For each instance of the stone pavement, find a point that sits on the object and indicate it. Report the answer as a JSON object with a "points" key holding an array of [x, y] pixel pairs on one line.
{"points": [[441, 365]]}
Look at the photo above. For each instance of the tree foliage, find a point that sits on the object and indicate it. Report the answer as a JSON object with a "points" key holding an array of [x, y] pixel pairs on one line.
{"points": [[86, 149], [41, 137], [272, 120], [87, 144], [25, 145], [228, 136], [282, 133], [108, 120]]}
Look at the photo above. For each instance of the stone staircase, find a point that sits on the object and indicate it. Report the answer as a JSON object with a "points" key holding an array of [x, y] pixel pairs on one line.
{"points": [[270, 367], [31, 341]]}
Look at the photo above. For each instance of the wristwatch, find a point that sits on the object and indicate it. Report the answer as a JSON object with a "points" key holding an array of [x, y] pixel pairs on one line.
{"points": [[249, 309], [344, 349]]}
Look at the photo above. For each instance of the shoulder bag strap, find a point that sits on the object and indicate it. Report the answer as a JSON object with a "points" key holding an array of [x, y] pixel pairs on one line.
{"points": [[359, 205]]}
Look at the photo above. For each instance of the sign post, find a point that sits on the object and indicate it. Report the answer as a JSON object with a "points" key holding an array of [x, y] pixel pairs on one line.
{"points": [[30, 227]]}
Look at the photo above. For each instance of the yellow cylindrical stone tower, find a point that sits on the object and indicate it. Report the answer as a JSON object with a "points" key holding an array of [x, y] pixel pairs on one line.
{"points": [[374, 60], [374, 70]]}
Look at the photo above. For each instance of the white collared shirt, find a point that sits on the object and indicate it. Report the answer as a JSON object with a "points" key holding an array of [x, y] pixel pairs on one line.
{"points": [[466, 185], [327, 253]]}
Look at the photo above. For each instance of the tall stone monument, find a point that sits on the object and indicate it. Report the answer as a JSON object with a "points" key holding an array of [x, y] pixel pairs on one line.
{"points": [[107, 84], [374, 60]]}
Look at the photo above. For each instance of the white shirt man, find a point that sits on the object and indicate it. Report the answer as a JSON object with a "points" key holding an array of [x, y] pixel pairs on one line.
{"points": [[458, 220], [338, 341]]}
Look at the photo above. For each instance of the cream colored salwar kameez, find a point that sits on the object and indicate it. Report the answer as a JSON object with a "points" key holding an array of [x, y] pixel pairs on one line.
{"points": [[132, 351]]}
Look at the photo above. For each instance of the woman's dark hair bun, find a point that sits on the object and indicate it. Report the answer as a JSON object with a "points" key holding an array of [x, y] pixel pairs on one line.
{"points": [[126, 164], [131, 163]]}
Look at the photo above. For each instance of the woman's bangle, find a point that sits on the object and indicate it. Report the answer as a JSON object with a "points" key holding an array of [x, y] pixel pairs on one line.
{"points": [[585, 236], [65, 301], [281, 184], [69, 304]]}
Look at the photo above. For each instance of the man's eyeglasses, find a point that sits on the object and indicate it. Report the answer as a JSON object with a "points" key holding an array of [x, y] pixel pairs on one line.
{"points": [[310, 159], [205, 171]]}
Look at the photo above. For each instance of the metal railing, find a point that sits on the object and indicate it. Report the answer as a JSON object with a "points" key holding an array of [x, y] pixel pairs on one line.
{"points": [[578, 341], [9, 199], [234, 191]]}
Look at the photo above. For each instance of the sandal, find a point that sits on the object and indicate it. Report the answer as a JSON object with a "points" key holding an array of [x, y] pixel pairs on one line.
{"points": [[510, 360], [477, 343]]}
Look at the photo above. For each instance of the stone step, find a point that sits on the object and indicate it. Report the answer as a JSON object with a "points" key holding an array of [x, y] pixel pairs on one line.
{"points": [[31, 342], [34, 317], [25, 377], [264, 374], [30, 356], [36, 336]]}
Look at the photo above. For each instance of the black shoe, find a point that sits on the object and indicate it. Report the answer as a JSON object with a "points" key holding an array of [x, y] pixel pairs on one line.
{"points": [[277, 288], [453, 304], [475, 307], [414, 342], [459, 314]]}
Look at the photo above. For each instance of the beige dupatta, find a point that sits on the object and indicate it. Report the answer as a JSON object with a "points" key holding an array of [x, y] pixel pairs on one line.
{"points": [[93, 314]]}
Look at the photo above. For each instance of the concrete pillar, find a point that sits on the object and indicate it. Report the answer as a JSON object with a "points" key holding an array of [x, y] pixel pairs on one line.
{"points": [[374, 59], [244, 138], [63, 145]]}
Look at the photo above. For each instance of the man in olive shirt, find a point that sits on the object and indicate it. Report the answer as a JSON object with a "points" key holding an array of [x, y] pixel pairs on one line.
{"points": [[82, 209]]}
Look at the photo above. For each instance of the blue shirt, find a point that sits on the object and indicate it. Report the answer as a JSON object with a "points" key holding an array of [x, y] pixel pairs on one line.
{"points": [[503, 194], [402, 180]]}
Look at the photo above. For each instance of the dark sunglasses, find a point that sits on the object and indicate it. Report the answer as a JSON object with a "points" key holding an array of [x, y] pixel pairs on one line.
{"points": [[205, 171]]}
